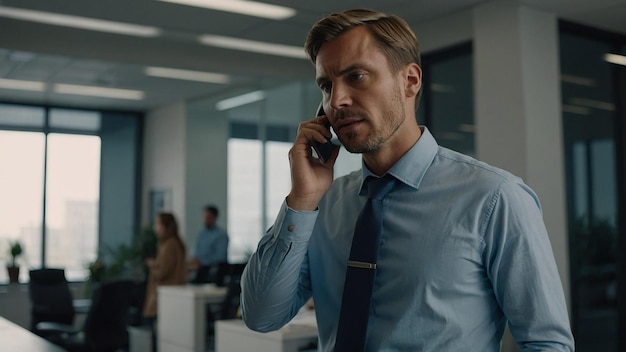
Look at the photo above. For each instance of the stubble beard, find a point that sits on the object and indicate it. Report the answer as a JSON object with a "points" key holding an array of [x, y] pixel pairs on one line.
{"points": [[393, 115]]}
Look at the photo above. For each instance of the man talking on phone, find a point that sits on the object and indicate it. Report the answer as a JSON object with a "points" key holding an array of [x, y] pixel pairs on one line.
{"points": [[423, 249]]}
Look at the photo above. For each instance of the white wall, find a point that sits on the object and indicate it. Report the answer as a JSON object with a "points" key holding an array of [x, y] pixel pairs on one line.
{"points": [[164, 159], [206, 170], [445, 31], [185, 153]]}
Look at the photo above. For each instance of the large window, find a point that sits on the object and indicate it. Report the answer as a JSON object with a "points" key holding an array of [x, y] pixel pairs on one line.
{"points": [[21, 190], [244, 195], [72, 195], [54, 165], [258, 181], [278, 181]]}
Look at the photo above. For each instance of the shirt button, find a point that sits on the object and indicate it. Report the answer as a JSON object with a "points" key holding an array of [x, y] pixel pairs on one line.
{"points": [[290, 228]]}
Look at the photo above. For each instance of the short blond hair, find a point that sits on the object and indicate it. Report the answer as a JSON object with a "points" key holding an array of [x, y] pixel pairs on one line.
{"points": [[394, 36]]}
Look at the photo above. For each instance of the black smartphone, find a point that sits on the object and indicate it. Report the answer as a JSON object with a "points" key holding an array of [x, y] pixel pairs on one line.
{"points": [[324, 150]]}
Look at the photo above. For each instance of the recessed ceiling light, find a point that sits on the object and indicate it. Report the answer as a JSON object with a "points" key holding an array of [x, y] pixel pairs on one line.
{"points": [[467, 127], [79, 22], [22, 85], [240, 100], [593, 103], [250, 8], [252, 46], [188, 75], [21, 56], [102, 92], [573, 109], [615, 59], [581, 81], [442, 88]]}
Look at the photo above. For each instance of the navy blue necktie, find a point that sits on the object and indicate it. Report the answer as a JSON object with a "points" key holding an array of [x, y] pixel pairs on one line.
{"points": [[357, 289]]}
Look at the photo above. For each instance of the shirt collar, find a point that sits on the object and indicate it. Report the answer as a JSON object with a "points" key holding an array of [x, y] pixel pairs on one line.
{"points": [[412, 166]]}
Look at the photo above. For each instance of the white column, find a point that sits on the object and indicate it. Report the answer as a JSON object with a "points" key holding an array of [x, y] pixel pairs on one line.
{"points": [[186, 153], [164, 160], [206, 166], [518, 115]]}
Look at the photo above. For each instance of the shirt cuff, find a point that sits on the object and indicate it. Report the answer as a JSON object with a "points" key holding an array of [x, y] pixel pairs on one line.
{"points": [[294, 225]]}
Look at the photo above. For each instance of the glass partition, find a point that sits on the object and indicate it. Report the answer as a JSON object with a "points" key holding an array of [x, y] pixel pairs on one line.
{"points": [[589, 92], [447, 106]]}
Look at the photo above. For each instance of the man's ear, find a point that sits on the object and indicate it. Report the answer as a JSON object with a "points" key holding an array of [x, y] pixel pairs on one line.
{"points": [[413, 75]]}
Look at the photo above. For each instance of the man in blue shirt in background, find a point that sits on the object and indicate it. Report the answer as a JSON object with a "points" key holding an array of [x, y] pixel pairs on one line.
{"points": [[212, 242], [463, 249]]}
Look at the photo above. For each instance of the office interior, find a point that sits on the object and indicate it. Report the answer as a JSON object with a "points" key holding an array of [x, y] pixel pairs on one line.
{"points": [[190, 118]]}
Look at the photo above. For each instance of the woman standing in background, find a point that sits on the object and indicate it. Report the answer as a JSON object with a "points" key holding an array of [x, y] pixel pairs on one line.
{"points": [[167, 268]]}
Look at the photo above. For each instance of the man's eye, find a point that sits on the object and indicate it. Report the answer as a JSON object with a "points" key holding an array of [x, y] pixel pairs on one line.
{"points": [[355, 77], [325, 87]]}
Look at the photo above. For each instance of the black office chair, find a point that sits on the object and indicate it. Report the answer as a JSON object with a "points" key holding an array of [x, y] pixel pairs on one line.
{"points": [[227, 309], [50, 297], [105, 328], [206, 274], [237, 269], [227, 271], [135, 311]]}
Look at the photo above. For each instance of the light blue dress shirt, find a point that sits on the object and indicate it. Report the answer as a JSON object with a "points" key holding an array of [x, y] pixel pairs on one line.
{"points": [[463, 250], [211, 246]]}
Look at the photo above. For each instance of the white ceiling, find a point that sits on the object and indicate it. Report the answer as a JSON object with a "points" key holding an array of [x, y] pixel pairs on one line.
{"points": [[39, 52]]}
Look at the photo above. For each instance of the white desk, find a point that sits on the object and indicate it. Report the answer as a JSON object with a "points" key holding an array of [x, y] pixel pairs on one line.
{"points": [[182, 316], [234, 336], [15, 338]]}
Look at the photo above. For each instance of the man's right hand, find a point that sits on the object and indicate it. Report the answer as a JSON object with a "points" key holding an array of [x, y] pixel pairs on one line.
{"points": [[310, 178]]}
